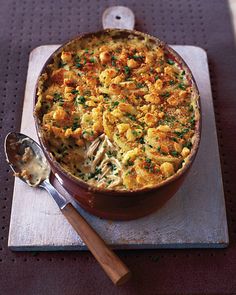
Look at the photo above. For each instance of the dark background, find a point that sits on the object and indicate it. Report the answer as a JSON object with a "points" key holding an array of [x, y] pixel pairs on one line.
{"points": [[25, 25]]}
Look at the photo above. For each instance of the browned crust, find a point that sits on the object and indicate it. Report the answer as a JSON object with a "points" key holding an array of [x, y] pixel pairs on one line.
{"points": [[121, 33]]}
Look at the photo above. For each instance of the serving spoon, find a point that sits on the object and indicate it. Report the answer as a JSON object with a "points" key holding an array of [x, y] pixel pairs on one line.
{"points": [[28, 162]]}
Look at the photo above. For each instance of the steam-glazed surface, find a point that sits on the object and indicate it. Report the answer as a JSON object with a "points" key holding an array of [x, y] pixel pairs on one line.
{"points": [[118, 113]]}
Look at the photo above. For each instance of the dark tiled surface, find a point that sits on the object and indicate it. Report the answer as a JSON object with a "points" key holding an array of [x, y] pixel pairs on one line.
{"points": [[27, 24]]}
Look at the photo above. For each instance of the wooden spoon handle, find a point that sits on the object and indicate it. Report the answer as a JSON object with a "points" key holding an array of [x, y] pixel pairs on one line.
{"points": [[109, 261]]}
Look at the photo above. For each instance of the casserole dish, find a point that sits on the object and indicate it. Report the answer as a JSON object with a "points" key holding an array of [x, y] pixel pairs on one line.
{"points": [[158, 135]]}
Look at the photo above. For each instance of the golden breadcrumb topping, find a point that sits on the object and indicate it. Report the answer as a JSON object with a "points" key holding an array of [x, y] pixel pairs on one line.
{"points": [[118, 113]]}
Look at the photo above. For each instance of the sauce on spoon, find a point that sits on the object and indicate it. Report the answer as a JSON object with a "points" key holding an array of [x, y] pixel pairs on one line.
{"points": [[29, 166]]}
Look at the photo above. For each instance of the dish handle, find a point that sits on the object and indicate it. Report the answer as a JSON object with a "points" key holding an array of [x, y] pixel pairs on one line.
{"points": [[118, 17]]}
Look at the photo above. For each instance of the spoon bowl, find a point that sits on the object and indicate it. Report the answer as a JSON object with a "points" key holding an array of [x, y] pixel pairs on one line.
{"points": [[16, 146]]}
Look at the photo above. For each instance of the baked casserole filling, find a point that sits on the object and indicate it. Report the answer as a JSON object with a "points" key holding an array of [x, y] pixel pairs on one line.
{"points": [[118, 113]]}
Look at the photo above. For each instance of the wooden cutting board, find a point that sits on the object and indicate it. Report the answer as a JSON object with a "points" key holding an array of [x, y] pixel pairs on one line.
{"points": [[194, 218]]}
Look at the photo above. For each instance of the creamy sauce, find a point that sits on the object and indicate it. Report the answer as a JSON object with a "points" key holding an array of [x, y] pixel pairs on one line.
{"points": [[33, 169]]}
